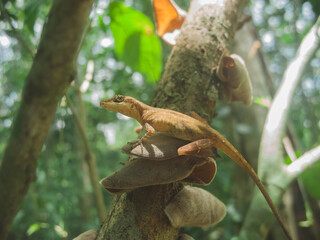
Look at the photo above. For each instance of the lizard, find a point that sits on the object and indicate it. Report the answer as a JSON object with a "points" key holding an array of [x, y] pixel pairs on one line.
{"points": [[184, 127]]}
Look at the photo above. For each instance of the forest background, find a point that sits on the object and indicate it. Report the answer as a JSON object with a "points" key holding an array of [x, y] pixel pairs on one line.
{"points": [[60, 203]]}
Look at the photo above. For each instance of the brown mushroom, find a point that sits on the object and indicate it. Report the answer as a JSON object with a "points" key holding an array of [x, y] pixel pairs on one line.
{"points": [[184, 236], [233, 73], [144, 172], [88, 235], [194, 207]]}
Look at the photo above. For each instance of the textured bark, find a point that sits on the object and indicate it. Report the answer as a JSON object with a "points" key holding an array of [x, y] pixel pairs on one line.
{"points": [[188, 84], [50, 75]]}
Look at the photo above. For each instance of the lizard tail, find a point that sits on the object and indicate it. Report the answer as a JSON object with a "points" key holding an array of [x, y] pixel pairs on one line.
{"points": [[233, 153]]}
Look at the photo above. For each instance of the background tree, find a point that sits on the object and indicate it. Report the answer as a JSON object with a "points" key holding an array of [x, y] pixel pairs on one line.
{"points": [[57, 202]]}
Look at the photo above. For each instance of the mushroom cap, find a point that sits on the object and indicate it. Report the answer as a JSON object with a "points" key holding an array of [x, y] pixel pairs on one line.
{"points": [[194, 207], [88, 235], [184, 236], [142, 172]]}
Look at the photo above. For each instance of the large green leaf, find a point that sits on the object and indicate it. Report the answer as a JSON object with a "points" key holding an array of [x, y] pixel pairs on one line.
{"points": [[135, 40]]}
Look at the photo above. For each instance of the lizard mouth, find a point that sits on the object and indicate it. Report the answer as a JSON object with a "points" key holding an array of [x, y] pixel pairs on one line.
{"points": [[107, 104], [103, 103]]}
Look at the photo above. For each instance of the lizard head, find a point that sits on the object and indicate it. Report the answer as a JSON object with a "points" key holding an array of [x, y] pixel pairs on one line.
{"points": [[123, 104]]}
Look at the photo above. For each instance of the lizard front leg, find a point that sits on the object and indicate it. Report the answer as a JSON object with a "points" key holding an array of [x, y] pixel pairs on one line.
{"points": [[202, 147], [149, 133]]}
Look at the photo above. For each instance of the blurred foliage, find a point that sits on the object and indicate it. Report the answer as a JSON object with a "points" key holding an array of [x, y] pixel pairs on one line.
{"points": [[127, 59], [311, 179]]}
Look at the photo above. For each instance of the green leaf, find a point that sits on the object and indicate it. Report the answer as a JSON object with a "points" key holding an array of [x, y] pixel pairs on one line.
{"points": [[33, 228], [36, 227], [311, 179], [135, 40], [31, 10], [262, 101]]}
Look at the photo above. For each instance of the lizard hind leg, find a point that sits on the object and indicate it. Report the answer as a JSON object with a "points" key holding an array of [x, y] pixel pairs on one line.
{"points": [[202, 147]]}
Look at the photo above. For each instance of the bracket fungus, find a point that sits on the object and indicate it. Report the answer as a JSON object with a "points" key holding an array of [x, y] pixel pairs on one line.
{"points": [[233, 74], [157, 162], [160, 147], [88, 235], [141, 172], [195, 207], [185, 237]]}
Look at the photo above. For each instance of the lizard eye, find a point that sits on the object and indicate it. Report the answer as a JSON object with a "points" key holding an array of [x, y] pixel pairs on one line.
{"points": [[118, 98]]}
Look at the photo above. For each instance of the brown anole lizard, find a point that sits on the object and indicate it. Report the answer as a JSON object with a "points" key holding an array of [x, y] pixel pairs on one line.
{"points": [[184, 127]]}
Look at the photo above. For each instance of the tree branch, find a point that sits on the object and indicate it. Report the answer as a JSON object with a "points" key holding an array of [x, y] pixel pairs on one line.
{"points": [[16, 32], [90, 160], [50, 75], [302, 163], [270, 158], [188, 83]]}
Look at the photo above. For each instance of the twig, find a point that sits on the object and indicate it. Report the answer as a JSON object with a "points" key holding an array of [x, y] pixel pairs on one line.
{"points": [[79, 124], [289, 148], [16, 32], [91, 164], [303, 162], [270, 164], [276, 118]]}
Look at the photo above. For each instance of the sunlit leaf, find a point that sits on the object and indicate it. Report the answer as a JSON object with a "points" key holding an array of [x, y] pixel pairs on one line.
{"points": [[36, 227], [135, 41], [33, 228], [264, 102]]}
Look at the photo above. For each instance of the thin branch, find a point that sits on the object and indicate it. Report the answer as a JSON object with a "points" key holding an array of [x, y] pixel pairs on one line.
{"points": [[276, 118], [90, 159], [287, 144], [79, 124], [302, 163], [16, 32], [270, 158]]}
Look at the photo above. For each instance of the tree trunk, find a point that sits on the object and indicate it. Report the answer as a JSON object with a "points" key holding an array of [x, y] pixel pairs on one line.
{"points": [[50, 75], [188, 84]]}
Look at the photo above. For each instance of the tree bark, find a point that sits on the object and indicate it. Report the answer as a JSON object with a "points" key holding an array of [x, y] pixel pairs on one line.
{"points": [[51, 73], [188, 84]]}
